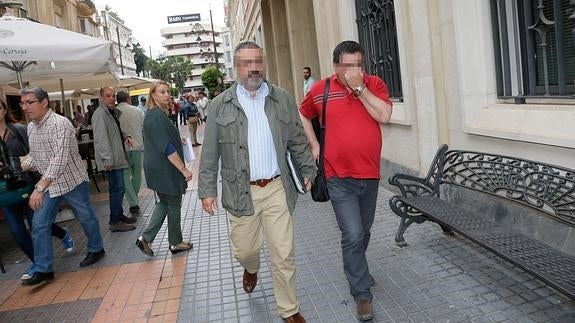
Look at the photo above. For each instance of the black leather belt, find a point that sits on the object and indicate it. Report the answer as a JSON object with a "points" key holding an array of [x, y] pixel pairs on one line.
{"points": [[263, 182]]}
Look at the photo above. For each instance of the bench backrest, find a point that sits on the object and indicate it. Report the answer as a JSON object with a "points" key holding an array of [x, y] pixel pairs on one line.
{"points": [[546, 188]]}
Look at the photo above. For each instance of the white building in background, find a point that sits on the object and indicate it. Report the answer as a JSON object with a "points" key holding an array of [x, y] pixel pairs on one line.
{"points": [[228, 46], [228, 55], [195, 42], [114, 30]]}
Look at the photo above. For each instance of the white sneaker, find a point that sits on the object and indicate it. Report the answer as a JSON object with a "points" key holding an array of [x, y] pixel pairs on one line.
{"points": [[29, 273]]}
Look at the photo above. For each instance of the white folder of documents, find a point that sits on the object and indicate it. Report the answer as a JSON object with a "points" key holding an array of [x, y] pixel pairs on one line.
{"points": [[189, 155]]}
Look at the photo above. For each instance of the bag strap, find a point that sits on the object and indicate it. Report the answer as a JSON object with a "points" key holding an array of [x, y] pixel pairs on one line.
{"points": [[19, 136], [322, 128]]}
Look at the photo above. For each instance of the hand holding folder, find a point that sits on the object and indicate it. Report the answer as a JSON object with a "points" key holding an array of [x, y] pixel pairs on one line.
{"points": [[295, 173]]}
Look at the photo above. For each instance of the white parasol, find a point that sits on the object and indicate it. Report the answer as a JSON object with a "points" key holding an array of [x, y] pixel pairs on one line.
{"points": [[37, 53]]}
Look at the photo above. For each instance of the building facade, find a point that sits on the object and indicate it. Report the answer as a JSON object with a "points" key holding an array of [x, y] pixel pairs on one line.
{"points": [[114, 30], [196, 43], [74, 15], [473, 74], [228, 55]]}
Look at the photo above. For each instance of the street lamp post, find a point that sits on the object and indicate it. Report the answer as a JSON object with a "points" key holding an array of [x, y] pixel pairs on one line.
{"points": [[220, 78], [120, 49], [214, 41]]}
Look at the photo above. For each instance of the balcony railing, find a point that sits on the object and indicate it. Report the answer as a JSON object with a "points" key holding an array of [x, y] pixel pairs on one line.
{"points": [[86, 7]]}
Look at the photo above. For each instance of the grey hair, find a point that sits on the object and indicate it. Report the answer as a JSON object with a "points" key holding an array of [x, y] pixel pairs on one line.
{"points": [[38, 92], [246, 44]]}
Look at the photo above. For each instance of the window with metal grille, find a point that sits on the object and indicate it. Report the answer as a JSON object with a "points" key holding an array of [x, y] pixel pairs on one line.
{"points": [[378, 36], [534, 43]]}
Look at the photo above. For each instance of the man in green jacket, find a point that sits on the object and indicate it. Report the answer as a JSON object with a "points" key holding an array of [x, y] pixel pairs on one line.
{"points": [[256, 187]]}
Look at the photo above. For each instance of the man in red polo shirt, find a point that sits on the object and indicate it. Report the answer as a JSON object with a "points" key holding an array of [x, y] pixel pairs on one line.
{"points": [[357, 105]]}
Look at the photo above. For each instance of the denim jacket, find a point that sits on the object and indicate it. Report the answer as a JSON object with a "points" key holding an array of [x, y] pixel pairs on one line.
{"points": [[225, 141]]}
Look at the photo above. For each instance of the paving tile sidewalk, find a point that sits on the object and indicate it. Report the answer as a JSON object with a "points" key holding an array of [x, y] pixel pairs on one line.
{"points": [[435, 279]]}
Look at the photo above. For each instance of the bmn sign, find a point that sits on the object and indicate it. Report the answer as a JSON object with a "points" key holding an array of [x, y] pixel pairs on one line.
{"points": [[184, 18]]}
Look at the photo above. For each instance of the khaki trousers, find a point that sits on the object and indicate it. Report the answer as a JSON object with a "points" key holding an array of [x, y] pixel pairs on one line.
{"points": [[272, 219], [193, 127]]}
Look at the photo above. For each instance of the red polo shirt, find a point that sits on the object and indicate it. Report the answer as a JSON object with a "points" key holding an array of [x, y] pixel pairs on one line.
{"points": [[353, 138]]}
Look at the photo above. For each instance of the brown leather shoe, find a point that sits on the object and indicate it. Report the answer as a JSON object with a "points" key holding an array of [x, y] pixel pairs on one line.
{"points": [[364, 310], [250, 281], [144, 246], [296, 318], [121, 227]]}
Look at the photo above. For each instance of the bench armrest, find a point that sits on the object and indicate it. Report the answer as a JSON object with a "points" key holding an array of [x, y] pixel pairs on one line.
{"points": [[411, 185]]}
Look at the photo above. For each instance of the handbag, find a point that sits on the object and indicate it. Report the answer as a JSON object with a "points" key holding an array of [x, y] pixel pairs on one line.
{"points": [[319, 191]]}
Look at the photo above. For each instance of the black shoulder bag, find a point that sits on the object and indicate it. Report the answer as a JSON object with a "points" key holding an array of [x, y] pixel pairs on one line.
{"points": [[319, 192]]}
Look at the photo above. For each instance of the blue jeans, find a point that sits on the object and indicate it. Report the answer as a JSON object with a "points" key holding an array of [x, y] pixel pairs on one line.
{"points": [[14, 214], [354, 202], [79, 201], [116, 191]]}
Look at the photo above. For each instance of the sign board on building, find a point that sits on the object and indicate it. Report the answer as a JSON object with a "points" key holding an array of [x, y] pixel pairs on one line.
{"points": [[184, 18]]}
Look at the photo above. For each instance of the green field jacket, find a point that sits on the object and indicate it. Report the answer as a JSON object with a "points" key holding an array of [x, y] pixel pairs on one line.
{"points": [[225, 144]]}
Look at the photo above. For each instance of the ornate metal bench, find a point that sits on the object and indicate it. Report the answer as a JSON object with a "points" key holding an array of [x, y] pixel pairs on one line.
{"points": [[532, 189]]}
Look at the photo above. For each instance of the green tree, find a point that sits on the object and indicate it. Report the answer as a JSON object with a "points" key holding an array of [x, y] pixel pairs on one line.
{"points": [[172, 69], [180, 68], [211, 79], [140, 58], [159, 69]]}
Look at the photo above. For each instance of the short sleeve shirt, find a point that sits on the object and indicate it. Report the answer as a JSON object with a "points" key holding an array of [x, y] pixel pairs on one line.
{"points": [[353, 139]]}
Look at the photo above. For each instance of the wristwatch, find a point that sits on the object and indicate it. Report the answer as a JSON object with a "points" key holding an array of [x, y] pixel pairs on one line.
{"points": [[40, 189], [359, 90]]}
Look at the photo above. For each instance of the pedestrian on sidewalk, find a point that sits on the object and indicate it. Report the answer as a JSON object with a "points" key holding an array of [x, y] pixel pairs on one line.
{"points": [[174, 111], [193, 119], [142, 105], [165, 171], [251, 127], [202, 103], [15, 138], [183, 115], [352, 156], [54, 154], [308, 80], [110, 148], [131, 121]]}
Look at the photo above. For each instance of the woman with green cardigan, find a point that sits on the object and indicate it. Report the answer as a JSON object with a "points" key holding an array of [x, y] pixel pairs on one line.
{"points": [[165, 171]]}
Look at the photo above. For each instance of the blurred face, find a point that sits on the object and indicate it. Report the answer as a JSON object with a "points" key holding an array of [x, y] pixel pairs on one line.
{"points": [[306, 73], [250, 68], [348, 63], [108, 98], [161, 96], [32, 107]]}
